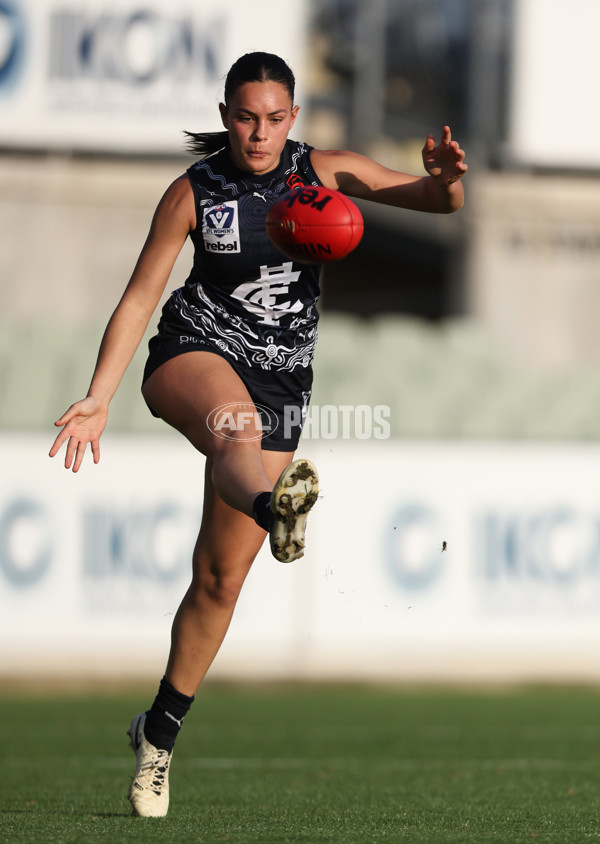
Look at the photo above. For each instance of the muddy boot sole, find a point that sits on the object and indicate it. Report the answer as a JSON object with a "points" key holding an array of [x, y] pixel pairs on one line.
{"points": [[292, 498]]}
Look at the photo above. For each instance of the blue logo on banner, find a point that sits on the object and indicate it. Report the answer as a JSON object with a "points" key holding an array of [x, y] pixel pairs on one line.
{"points": [[138, 49], [558, 546], [124, 545], [25, 543], [412, 558], [12, 44]]}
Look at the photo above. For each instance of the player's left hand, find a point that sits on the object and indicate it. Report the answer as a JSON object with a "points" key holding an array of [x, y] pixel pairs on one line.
{"points": [[446, 162]]}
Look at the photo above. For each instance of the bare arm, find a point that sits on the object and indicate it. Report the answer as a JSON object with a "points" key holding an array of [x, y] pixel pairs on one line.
{"points": [[356, 175], [85, 420]]}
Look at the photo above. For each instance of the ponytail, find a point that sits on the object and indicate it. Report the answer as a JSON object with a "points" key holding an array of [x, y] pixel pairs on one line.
{"points": [[206, 143]]}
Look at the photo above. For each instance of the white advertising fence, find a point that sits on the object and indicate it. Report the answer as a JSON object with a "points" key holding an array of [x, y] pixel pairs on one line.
{"points": [[546, 82], [129, 75], [425, 561]]}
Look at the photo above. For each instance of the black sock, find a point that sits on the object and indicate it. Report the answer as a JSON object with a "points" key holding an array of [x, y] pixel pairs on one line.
{"points": [[262, 511], [164, 718]]}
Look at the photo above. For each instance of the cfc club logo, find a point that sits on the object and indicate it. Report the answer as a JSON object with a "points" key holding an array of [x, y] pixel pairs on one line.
{"points": [[263, 296], [220, 229]]}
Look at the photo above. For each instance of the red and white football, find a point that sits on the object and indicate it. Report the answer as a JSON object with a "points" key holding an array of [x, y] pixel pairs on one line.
{"points": [[315, 225]]}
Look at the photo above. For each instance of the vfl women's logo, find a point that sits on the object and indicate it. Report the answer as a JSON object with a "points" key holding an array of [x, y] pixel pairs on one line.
{"points": [[220, 230], [260, 297]]}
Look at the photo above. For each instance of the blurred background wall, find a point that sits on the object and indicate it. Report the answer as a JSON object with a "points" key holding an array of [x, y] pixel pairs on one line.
{"points": [[476, 332]]}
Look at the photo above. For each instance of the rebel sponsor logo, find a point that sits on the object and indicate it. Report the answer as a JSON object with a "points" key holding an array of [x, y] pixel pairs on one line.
{"points": [[220, 228]]}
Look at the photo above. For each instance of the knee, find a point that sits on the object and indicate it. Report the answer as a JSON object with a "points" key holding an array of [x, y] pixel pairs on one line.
{"points": [[222, 587], [225, 589]]}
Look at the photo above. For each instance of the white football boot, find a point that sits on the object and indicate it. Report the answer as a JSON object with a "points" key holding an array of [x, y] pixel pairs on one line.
{"points": [[291, 500], [149, 789]]}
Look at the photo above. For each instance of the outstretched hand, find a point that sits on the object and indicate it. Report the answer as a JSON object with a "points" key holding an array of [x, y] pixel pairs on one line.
{"points": [[445, 162], [83, 423]]}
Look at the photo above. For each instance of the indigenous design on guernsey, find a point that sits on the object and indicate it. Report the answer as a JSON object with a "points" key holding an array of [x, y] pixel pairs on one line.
{"points": [[243, 296], [238, 339]]}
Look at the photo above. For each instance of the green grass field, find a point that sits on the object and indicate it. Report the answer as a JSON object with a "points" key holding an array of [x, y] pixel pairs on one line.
{"points": [[312, 764]]}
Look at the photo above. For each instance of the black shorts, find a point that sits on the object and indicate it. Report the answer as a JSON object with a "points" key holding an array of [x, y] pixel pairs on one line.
{"points": [[281, 398]]}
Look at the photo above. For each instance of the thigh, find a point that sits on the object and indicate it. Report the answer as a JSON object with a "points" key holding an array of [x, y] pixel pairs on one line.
{"points": [[185, 390]]}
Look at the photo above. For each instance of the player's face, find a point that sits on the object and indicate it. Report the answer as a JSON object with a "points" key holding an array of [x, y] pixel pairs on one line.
{"points": [[258, 118]]}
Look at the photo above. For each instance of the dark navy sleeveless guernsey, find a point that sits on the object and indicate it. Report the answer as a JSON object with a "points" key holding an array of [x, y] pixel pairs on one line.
{"points": [[244, 299]]}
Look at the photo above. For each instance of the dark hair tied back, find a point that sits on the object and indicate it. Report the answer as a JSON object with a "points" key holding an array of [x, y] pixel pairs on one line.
{"points": [[252, 67]]}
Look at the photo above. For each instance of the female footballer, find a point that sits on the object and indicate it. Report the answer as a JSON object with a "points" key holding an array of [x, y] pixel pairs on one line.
{"points": [[240, 333]]}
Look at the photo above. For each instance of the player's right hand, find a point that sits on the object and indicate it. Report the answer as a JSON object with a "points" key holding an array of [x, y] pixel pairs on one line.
{"points": [[83, 423]]}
